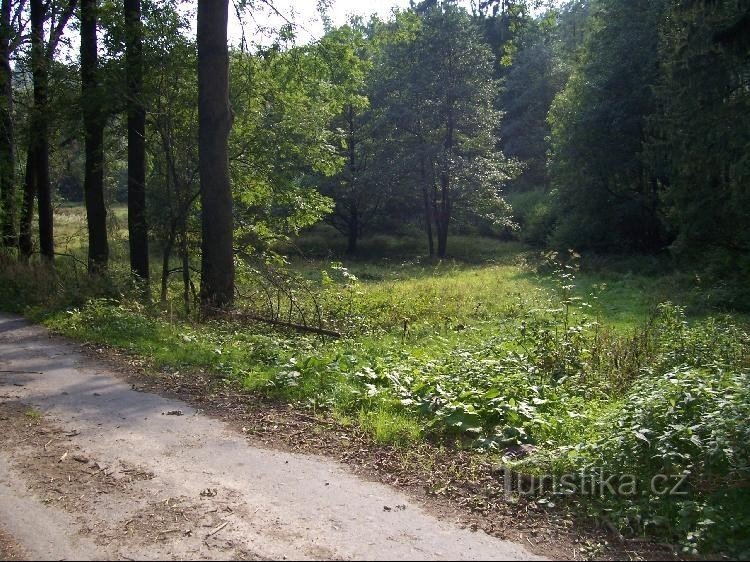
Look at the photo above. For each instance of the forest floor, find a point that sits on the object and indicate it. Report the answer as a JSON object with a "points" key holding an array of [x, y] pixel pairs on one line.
{"points": [[112, 471]]}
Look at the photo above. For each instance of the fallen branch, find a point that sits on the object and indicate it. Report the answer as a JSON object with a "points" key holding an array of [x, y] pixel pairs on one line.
{"points": [[217, 529], [275, 322]]}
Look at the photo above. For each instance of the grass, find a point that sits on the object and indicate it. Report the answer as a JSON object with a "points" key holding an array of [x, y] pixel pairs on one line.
{"points": [[389, 426], [495, 349], [33, 414], [70, 229]]}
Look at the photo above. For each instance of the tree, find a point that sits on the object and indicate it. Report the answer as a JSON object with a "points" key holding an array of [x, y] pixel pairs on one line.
{"points": [[606, 197], [36, 182], [356, 201], [399, 122], [137, 225], [214, 125], [7, 139], [282, 142], [699, 142], [528, 91], [441, 97], [536, 64], [173, 146], [93, 124]]}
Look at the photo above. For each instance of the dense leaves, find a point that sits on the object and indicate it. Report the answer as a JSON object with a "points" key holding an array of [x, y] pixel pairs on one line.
{"points": [[599, 126]]}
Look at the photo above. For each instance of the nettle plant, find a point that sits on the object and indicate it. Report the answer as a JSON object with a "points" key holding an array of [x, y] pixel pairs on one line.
{"points": [[555, 338]]}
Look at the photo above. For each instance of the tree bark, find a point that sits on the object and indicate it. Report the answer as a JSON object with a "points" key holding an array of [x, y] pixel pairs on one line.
{"points": [[215, 122], [427, 207], [137, 226], [93, 124], [352, 229], [40, 130], [25, 246], [8, 236], [443, 216], [37, 183]]}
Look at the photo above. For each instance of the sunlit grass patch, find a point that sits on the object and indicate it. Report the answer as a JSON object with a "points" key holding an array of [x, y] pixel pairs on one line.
{"points": [[388, 426], [33, 414]]}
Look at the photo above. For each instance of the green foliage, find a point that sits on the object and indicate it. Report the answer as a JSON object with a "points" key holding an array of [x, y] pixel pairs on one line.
{"points": [[699, 144], [482, 356], [624, 128], [684, 414], [357, 188], [606, 198], [283, 103], [690, 421], [435, 102], [529, 85], [533, 211]]}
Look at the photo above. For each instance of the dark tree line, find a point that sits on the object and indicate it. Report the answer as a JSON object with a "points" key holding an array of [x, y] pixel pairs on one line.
{"points": [[599, 125], [632, 119], [628, 123], [38, 27]]}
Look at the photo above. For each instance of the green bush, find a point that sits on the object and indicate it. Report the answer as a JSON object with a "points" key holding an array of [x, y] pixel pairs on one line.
{"points": [[689, 421], [533, 212]]}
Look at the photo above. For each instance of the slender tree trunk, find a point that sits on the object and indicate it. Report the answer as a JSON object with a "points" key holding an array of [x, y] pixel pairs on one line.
{"points": [[185, 254], [352, 229], [215, 122], [427, 207], [37, 182], [93, 124], [41, 162], [40, 128], [137, 226], [7, 141], [25, 246], [443, 215], [165, 260]]}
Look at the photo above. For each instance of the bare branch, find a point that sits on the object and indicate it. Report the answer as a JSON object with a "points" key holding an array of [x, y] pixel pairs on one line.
{"points": [[57, 30]]}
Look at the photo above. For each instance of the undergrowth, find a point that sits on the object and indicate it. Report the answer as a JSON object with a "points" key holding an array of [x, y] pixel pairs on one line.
{"points": [[488, 358]]}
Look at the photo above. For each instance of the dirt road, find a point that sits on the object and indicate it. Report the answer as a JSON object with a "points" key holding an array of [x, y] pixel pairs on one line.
{"points": [[91, 468]]}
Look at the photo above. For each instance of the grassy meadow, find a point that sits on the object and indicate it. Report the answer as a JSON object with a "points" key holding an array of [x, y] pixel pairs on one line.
{"points": [[620, 366]]}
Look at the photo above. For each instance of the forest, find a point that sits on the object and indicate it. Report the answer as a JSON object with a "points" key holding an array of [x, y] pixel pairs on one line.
{"points": [[514, 230]]}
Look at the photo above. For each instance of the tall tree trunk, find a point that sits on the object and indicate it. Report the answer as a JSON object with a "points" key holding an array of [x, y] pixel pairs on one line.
{"points": [[215, 122], [40, 128], [443, 215], [41, 163], [7, 141], [427, 207], [93, 125], [137, 226], [352, 229], [167, 254], [25, 246], [185, 255]]}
